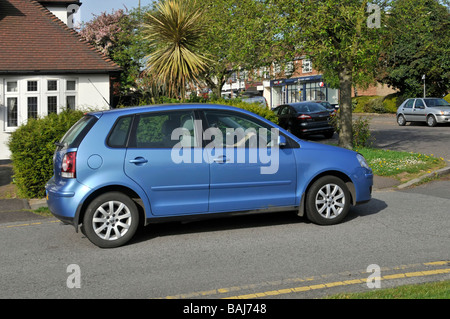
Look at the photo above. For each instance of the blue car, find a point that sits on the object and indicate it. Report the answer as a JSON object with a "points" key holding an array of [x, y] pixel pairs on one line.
{"points": [[116, 170]]}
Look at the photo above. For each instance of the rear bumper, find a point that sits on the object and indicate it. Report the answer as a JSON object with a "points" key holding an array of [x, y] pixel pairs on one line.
{"points": [[64, 198], [314, 128]]}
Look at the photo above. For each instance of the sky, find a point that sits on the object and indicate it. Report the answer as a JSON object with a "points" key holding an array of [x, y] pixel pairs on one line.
{"points": [[90, 7]]}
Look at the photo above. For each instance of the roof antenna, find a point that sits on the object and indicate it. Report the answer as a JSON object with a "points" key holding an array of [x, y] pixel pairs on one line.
{"points": [[100, 93]]}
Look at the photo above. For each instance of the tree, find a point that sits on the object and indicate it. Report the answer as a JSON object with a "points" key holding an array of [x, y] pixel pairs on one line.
{"points": [[239, 36], [173, 32], [117, 35], [343, 41], [417, 43]]}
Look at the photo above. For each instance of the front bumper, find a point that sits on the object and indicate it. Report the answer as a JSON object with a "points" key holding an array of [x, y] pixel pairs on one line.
{"points": [[442, 118]]}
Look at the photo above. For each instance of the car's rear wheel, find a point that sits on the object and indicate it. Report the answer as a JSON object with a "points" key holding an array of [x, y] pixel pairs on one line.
{"points": [[327, 201], [111, 220], [401, 120]]}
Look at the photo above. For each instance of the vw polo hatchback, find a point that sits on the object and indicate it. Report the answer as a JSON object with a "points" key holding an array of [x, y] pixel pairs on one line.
{"points": [[117, 170]]}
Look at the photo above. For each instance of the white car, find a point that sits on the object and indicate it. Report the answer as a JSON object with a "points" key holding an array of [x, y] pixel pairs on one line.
{"points": [[429, 110]]}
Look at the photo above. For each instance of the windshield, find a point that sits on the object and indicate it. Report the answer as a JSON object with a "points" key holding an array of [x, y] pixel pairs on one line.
{"points": [[436, 102], [76, 133]]}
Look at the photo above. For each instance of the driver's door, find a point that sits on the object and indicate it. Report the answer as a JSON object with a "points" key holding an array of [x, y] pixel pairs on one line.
{"points": [[245, 175]]}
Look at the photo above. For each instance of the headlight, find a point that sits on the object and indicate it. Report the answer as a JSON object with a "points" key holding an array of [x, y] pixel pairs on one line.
{"points": [[362, 161]]}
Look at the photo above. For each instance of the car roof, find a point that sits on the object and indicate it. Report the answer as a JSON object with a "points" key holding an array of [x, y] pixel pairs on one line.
{"points": [[167, 107]]}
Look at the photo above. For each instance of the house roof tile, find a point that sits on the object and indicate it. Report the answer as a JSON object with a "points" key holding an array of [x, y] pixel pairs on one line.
{"points": [[33, 40]]}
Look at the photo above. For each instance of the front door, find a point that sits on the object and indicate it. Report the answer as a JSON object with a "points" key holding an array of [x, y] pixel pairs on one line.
{"points": [[247, 171]]}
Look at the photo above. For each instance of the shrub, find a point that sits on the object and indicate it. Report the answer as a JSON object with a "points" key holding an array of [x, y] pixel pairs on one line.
{"points": [[360, 130], [251, 107], [447, 98], [376, 104], [32, 147]]}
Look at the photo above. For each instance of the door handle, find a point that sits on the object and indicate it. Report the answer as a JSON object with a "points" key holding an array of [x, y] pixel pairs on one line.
{"points": [[221, 159], [139, 160]]}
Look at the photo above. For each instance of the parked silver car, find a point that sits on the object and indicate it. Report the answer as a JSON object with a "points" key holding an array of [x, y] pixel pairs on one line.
{"points": [[429, 110]]}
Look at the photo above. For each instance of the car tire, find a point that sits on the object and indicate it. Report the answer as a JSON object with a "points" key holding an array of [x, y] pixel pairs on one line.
{"points": [[111, 220], [401, 120], [328, 135], [327, 201], [431, 121]]}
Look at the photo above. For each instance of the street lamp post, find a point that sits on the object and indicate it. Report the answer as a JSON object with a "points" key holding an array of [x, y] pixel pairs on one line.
{"points": [[424, 89]]}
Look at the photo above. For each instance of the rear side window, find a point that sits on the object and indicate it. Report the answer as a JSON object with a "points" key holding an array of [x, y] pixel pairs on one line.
{"points": [[162, 130], [77, 132]]}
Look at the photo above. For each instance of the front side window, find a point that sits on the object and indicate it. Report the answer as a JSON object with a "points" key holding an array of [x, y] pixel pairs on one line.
{"points": [[228, 129], [419, 103]]}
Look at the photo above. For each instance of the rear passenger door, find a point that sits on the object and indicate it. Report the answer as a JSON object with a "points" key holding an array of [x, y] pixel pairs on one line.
{"points": [[160, 158]]}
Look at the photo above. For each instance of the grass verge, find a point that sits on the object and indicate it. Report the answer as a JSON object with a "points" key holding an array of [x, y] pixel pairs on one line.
{"points": [[403, 166], [432, 290]]}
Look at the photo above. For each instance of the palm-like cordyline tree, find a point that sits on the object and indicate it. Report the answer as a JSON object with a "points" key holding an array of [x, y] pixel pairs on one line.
{"points": [[173, 31]]}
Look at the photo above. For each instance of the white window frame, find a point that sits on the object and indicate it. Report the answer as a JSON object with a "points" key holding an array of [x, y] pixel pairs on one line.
{"points": [[307, 66]]}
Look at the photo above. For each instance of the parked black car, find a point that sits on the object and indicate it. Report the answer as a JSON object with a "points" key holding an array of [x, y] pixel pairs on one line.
{"points": [[305, 118]]}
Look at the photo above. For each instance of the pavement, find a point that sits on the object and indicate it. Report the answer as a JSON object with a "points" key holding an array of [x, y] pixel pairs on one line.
{"points": [[16, 210]]}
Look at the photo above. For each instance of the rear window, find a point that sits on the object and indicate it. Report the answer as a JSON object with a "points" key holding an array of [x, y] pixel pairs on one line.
{"points": [[77, 132]]}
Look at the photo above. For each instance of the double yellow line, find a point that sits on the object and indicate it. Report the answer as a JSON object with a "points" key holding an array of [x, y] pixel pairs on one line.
{"points": [[285, 291], [340, 283]]}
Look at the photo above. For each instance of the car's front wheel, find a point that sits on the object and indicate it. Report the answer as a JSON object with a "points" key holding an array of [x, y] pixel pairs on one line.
{"points": [[431, 121], [327, 201], [111, 220]]}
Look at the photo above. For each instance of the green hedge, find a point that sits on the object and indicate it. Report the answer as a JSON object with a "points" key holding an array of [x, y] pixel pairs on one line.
{"points": [[376, 104], [32, 147]]}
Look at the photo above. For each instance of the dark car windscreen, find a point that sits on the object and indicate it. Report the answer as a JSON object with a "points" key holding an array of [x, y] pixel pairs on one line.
{"points": [[436, 102], [77, 132]]}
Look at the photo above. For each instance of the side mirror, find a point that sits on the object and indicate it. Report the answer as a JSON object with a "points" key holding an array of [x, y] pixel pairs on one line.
{"points": [[281, 141]]}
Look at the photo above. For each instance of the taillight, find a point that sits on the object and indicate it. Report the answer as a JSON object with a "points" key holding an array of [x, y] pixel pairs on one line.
{"points": [[304, 117], [68, 166]]}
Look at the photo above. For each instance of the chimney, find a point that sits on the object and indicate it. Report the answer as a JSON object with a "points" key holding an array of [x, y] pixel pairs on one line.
{"points": [[65, 10]]}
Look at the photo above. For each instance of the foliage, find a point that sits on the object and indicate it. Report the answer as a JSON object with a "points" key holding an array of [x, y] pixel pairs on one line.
{"points": [[447, 98], [361, 136], [117, 35], [252, 107], [376, 104], [241, 35], [173, 32], [417, 43], [341, 45], [32, 147]]}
